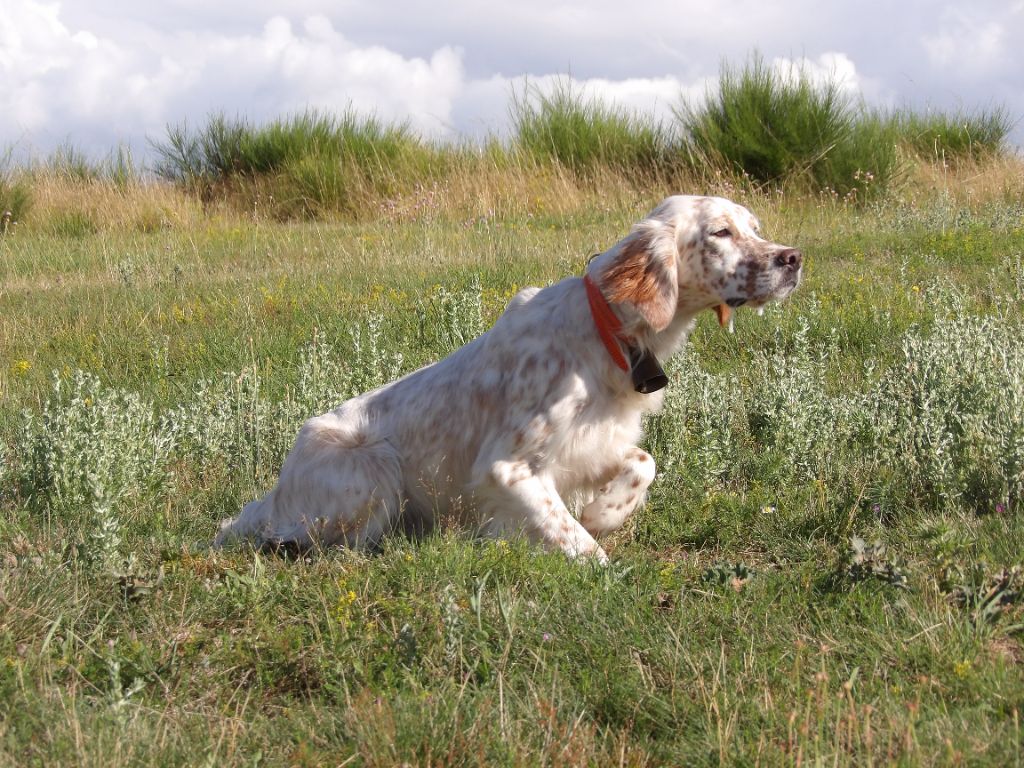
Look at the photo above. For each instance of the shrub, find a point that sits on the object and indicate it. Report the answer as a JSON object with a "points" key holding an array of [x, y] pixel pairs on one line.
{"points": [[306, 165], [72, 164], [779, 129], [584, 134], [958, 136], [942, 427], [949, 416], [91, 447]]}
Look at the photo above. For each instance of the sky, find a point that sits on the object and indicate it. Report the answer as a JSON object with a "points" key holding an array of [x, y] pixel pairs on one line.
{"points": [[98, 74]]}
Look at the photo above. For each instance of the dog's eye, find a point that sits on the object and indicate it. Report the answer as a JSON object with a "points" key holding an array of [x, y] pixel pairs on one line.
{"points": [[722, 233]]}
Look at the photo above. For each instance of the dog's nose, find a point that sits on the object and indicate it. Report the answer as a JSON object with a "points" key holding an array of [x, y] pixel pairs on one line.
{"points": [[790, 257]]}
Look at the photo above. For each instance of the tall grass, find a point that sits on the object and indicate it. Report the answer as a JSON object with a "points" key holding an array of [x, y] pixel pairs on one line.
{"points": [[305, 165], [585, 134], [942, 136], [780, 128], [762, 127], [15, 194]]}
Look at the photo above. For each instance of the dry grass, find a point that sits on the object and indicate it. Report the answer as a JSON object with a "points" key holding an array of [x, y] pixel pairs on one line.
{"points": [[995, 179], [67, 205], [481, 187]]}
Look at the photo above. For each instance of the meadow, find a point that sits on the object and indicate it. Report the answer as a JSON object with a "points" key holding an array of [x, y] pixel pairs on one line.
{"points": [[828, 570]]}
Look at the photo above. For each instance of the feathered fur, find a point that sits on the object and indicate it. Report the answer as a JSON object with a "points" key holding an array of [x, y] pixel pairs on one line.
{"points": [[529, 429]]}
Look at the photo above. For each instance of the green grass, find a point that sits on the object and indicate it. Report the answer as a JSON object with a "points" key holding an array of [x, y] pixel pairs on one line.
{"points": [[789, 130], [824, 572], [586, 135], [15, 194], [307, 165], [953, 137]]}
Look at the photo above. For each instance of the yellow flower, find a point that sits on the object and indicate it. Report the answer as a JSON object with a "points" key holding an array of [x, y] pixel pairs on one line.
{"points": [[21, 367]]}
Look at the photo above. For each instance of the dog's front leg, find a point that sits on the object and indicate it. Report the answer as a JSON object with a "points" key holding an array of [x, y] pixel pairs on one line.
{"points": [[513, 499], [618, 498]]}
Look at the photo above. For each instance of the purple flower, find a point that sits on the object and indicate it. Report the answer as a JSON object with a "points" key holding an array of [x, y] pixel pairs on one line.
{"points": [[546, 637], [1000, 508]]}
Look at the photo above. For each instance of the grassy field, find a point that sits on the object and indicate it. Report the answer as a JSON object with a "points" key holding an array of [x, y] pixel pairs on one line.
{"points": [[827, 572]]}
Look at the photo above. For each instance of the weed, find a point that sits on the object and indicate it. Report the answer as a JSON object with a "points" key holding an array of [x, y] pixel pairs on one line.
{"points": [[872, 561], [986, 594], [732, 575]]}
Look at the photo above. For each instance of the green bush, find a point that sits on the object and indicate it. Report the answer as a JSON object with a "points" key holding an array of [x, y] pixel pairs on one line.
{"points": [[69, 162], [585, 134], [776, 129], [307, 165], [957, 136]]}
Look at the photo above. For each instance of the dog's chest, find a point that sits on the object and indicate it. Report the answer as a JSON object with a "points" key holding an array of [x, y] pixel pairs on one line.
{"points": [[590, 449]]}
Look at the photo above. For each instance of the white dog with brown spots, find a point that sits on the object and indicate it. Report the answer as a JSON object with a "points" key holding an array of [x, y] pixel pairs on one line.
{"points": [[532, 428]]}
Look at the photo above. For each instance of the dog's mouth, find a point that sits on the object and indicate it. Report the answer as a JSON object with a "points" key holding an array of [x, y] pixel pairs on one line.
{"points": [[724, 311]]}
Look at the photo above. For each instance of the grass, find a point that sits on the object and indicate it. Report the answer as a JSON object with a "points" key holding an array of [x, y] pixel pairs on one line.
{"points": [[953, 137], [302, 166], [827, 571], [787, 128], [585, 135]]}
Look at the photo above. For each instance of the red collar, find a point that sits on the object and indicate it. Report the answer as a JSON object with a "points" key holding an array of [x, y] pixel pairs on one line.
{"points": [[609, 327]]}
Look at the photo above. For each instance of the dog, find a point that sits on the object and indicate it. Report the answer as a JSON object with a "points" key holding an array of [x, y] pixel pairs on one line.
{"points": [[532, 428]]}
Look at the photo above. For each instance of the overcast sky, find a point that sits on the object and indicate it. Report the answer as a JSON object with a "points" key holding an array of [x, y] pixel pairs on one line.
{"points": [[98, 73]]}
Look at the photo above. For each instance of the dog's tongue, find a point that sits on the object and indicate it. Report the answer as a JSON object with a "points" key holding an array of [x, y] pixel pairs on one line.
{"points": [[724, 312]]}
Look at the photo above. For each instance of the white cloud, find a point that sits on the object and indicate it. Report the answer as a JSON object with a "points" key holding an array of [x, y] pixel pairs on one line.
{"points": [[829, 68], [107, 71], [483, 106], [64, 83], [967, 44]]}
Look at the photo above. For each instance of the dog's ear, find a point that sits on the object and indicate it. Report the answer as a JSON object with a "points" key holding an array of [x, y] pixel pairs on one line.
{"points": [[643, 273]]}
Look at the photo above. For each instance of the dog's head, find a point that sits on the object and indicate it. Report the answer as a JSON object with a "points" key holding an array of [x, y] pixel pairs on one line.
{"points": [[695, 253]]}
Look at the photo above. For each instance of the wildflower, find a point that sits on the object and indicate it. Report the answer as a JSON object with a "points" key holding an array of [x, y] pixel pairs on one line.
{"points": [[21, 367], [915, 288], [546, 637], [1000, 508]]}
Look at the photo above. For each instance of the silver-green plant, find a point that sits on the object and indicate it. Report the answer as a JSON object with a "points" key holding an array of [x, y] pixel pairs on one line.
{"points": [[91, 446], [697, 431], [950, 414]]}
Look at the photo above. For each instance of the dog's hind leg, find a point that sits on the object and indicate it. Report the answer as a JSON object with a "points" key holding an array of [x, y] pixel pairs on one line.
{"points": [[339, 485]]}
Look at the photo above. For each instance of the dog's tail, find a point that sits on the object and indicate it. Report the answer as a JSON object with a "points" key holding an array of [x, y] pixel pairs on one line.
{"points": [[341, 484], [252, 524]]}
